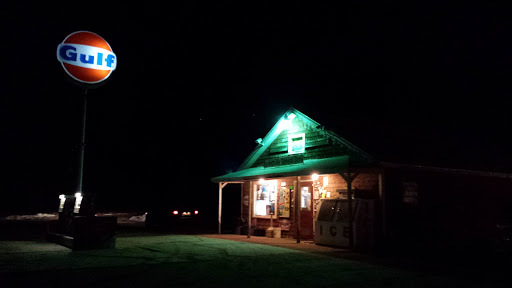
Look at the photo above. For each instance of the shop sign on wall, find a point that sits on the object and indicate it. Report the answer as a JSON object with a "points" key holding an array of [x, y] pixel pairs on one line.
{"points": [[296, 143]]}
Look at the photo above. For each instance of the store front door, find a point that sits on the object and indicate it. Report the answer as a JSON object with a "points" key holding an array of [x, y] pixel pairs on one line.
{"points": [[306, 211]]}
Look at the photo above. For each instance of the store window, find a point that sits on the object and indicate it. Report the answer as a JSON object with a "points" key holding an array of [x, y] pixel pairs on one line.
{"points": [[284, 201], [265, 198], [296, 143], [306, 198]]}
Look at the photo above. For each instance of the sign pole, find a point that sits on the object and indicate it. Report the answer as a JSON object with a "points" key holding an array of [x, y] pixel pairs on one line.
{"points": [[82, 143]]}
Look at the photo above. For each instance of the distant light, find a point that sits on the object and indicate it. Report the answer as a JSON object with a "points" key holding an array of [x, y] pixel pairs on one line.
{"points": [[196, 212], [261, 181], [62, 196], [78, 194], [314, 177], [175, 212]]}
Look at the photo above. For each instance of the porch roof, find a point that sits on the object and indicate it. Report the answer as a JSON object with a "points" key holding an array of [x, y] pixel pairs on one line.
{"points": [[319, 166]]}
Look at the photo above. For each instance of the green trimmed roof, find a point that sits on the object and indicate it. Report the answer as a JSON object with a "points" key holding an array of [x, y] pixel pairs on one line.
{"points": [[253, 167], [260, 164], [277, 129], [319, 166]]}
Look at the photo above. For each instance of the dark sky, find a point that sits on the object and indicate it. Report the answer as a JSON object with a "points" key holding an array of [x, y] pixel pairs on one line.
{"points": [[196, 83]]}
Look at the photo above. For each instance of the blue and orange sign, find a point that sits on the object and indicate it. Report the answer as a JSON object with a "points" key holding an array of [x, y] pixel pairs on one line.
{"points": [[86, 57]]}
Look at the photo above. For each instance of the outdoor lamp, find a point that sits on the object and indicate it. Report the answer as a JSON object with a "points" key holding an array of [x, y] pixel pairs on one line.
{"points": [[290, 116]]}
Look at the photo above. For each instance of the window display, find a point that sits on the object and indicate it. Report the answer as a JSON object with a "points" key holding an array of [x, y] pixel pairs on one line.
{"points": [[265, 196], [284, 202]]}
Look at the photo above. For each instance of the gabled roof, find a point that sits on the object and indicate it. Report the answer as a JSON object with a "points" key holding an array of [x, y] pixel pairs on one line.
{"points": [[320, 166], [328, 164], [278, 128], [251, 168]]}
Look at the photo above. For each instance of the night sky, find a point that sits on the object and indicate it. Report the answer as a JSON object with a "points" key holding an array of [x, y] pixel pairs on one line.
{"points": [[196, 83]]}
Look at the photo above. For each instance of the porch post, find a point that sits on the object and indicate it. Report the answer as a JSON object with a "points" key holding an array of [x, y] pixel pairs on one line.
{"points": [[249, 222], [220, 206], [349, 177], [382, 196], [221, 185], [241, 201], [297, 209], [350, 212]]}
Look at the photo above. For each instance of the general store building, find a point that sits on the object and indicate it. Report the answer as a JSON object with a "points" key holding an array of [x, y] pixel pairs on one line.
{"points": [[300, 166]]}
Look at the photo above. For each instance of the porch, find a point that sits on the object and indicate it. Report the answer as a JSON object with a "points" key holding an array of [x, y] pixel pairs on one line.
{"points": [[287, 198]]}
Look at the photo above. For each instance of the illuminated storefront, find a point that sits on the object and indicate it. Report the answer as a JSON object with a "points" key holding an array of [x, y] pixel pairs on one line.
{"points": [[297, 164]]}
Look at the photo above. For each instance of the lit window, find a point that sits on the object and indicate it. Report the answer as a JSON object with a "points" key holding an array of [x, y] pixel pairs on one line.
{"points": [[296, 143], [306, 198], [265, 197]]}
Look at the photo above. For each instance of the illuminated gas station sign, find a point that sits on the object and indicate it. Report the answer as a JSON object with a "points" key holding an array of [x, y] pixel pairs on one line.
{"points": [[86, 57]]}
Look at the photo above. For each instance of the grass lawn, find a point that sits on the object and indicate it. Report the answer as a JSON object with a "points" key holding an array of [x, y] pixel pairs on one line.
{"points": [[195, 261]]}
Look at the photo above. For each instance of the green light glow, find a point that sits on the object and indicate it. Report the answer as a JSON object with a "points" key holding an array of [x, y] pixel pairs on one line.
{"points": [[296, 143], [284, 124]]}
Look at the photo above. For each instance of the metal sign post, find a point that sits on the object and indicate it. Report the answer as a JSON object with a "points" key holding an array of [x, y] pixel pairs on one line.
{"points": [[82, 144]]}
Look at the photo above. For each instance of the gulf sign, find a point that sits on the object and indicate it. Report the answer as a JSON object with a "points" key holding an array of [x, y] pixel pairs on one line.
{"points": [[86, 57]]}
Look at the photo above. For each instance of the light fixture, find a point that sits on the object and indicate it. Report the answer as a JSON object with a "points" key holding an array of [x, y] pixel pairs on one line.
{"points": [[314, 177], [78, 202], [284, 124], [290, 116], [261, 181], [62, 198]]}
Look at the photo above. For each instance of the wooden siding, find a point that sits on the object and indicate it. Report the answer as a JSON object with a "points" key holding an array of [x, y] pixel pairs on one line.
{"points": [[319, 144]]}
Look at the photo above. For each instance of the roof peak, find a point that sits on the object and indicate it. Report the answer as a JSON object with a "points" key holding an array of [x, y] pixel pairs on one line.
{"points": [[283, 123]]}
